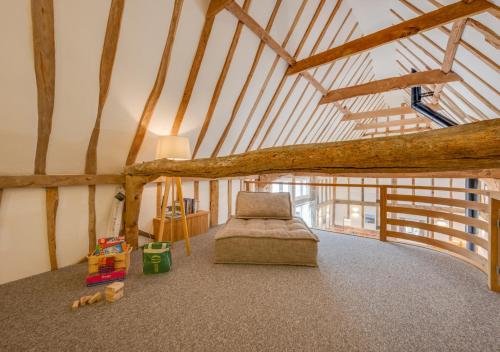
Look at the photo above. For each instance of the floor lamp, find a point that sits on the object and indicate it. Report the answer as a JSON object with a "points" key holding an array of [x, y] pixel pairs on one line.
{"points": [[174, 148]]}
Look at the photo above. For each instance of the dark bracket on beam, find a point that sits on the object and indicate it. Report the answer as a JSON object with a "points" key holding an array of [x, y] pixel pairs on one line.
{"points": [[418, 106]]}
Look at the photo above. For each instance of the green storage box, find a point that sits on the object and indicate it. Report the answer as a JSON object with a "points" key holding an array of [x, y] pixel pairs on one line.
{"points": [[156, 258]]}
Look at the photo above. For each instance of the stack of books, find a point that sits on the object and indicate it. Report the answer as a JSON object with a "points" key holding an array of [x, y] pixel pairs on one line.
{"points": [[190, 207]]}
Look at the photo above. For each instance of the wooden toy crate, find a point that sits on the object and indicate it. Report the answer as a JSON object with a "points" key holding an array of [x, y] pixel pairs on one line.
{"points": [[122, 261]]}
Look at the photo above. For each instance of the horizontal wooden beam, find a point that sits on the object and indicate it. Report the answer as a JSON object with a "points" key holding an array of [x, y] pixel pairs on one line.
{"points": [[383, 113], [405, 29], [369, 126], [403, 131], [388, 84], [59, 180], [448, 149]]}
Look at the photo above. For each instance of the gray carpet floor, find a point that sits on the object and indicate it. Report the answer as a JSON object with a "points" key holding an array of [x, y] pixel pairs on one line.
{"points": [[365, 296]]}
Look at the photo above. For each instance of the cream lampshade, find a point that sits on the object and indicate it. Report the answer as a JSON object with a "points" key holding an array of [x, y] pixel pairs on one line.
{"points": [[173, 147]]}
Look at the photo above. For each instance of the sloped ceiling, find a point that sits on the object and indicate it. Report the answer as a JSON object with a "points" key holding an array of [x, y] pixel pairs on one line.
{"points": [[294, 116]]}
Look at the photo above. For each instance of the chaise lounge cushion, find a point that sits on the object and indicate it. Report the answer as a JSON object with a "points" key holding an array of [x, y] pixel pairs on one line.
{"points": [[266, 241], [263, 205]]}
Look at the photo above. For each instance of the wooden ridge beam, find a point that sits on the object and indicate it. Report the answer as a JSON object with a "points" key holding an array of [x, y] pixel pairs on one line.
{"points": [[388, 84], [42, 18], [154, 95], [447, 149], [59, 180], [383, 113], [220, 83], [369, 126], [105, 72], [424, 22]]}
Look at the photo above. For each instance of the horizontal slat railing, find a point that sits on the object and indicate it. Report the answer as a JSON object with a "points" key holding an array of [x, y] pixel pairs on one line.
{"points": [[434, 209], [470, 256]]}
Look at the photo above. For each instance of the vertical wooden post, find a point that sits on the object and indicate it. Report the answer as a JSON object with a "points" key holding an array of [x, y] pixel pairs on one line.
{"points": [[134, 186], [51, 203], [214, 203], [493, 243], [183, 215], [229, 198], [159, 191], [161, 228], [383, 213], [247, 186], [91, 224], [196, 192]]}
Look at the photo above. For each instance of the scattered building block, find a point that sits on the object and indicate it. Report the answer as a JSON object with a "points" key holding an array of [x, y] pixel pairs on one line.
{"points": [[95, 298], [75, 304]]}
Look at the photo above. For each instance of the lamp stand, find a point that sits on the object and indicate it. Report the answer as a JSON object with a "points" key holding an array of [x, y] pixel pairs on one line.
{"points": [[169, 181]]}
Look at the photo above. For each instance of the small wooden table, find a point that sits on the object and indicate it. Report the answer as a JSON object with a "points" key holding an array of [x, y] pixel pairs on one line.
{"points": [[197, 224]]}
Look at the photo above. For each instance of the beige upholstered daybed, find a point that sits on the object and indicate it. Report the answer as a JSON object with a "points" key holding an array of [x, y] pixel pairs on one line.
{"points": [[264, 231]]}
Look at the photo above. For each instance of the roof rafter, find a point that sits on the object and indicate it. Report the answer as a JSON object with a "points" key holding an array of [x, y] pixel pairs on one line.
{"points": [[369, 126], [388, 84], [424, 22]]}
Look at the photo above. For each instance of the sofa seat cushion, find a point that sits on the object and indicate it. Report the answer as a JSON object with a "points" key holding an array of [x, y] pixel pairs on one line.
{"points": [[266, 241]]}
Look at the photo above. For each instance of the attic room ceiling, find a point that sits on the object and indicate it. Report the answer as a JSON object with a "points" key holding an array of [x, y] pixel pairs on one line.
{"points": [[211, 79]]}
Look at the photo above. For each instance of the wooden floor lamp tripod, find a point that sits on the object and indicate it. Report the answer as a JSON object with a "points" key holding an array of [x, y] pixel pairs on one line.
{"points": [[176, 148]]}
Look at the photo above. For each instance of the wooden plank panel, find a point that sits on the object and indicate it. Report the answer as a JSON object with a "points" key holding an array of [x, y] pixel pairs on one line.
{"points": [[105, 71], [424, 22], [388, 84], [438, 200], [471, 257], [51, 203], [58, 180], [154, 95], [432, 151], [440, 215], [42, 18], [220, 83], [440, 229]]}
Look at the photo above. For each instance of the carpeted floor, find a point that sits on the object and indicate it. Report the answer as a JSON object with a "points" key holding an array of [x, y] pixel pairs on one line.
{"points": [[365, 296]]}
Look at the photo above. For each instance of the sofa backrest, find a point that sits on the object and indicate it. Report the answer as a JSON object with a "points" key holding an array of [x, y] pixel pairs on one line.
{"points": [[263, 205]]}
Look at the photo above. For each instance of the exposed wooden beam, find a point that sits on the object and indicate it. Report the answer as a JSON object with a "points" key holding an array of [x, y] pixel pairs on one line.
{"points": [[154, 95], [270, 73], [424, 22], [244, 17], [383, 113], [38, 181], [403, 131], [217, 6], [92, 232], [464, 44], [220, 83], [489, 36], [369, 126], [42, 18], [244, 89], [447, 149], [193, 74], [51, 203], [214, 203], [449, 56], [388, 84], [134, 187], [105, 72]]}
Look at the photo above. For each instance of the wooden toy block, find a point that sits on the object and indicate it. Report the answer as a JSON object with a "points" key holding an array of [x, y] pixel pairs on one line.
{"points": [[114, 287], [75, 304], [115, 297], [95, 298]]}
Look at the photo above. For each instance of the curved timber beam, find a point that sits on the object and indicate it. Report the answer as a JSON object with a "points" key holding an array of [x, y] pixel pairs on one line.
{"points": [[472, 147]]}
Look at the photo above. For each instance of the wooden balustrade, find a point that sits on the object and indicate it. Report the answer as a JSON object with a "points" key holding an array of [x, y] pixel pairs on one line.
{"points": [[392, 205]]}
